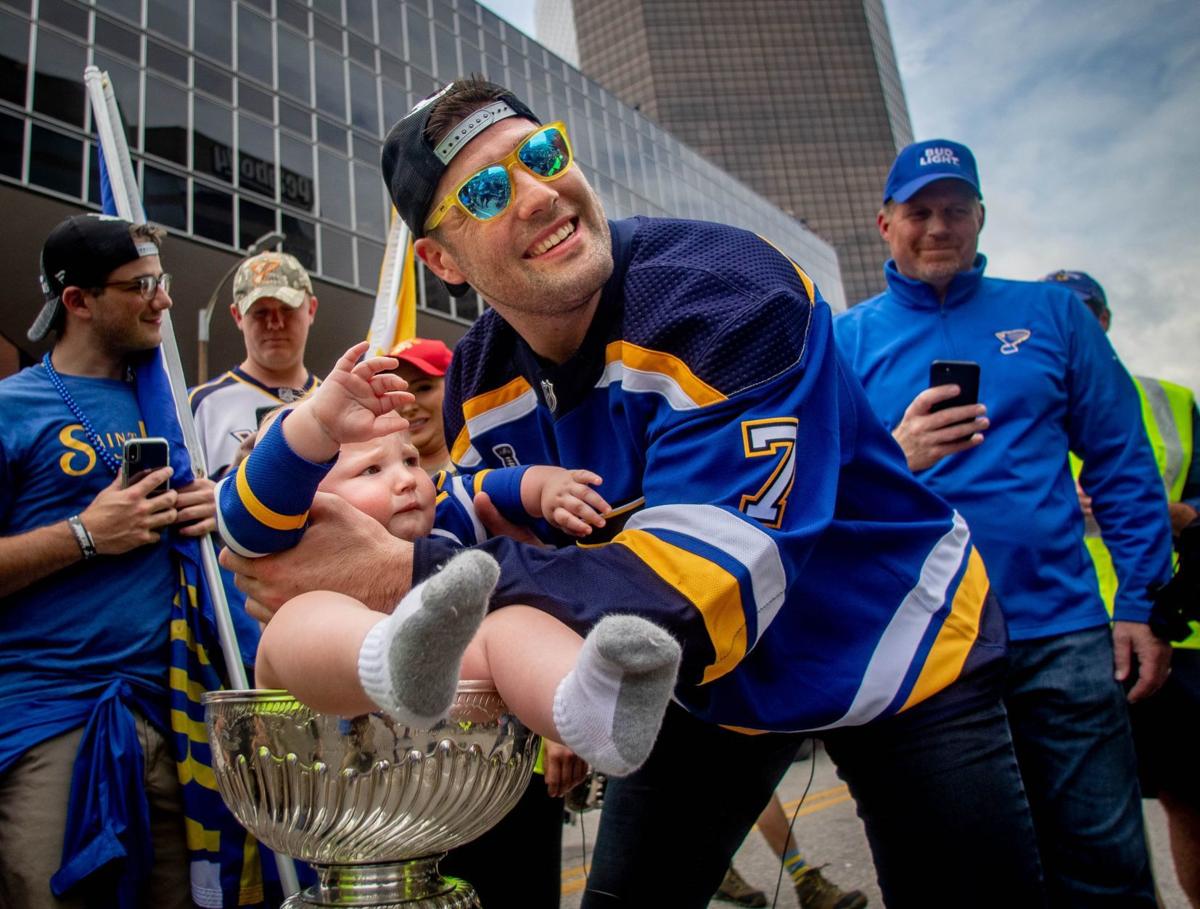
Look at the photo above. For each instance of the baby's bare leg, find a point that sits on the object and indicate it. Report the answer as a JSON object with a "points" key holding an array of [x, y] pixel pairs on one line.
{"points": [[526, 653], [603, 697], [311, 648]]}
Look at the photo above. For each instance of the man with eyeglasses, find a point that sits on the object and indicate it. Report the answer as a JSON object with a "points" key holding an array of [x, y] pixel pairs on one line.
{"points": [[86, 585], [274, 308], [760, 513]]}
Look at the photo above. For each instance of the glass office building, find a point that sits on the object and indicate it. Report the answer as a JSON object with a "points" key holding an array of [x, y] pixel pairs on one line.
{"points": [[258, 115], [802, 100]]}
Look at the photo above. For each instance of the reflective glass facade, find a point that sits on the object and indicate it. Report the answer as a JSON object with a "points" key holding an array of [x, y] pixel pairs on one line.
{"points": [[256, 115], [801, 100]]}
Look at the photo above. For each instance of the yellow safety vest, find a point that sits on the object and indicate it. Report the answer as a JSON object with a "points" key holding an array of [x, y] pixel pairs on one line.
{"points": [[1167, 414]]}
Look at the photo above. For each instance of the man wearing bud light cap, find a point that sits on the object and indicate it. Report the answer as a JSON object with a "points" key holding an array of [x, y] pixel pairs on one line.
{"points": [[274, 308], [1165, 770], [760, 513], [90, 804], [1049, 383]]}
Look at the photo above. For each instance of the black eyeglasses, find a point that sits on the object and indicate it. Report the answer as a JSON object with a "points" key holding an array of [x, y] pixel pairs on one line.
{"points": [[146, 285]]}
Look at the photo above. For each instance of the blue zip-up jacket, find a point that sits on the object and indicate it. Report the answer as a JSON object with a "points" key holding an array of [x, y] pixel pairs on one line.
{"points": [[761, 512], [1051, 382]]}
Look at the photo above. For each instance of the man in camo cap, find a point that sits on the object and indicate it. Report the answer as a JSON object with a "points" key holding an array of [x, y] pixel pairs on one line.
{"points": [[273, 306]]}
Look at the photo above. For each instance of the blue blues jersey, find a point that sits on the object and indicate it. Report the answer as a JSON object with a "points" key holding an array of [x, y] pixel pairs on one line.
{"points": [[95, 621], [263, 505], [760, 510], [1052, 383]]}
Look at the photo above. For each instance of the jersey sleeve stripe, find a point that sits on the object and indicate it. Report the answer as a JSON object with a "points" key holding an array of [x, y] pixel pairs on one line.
{"points": [[754, 548], [901, 639], [957, 634], [261, 512], [488, 411], [641, 369], [714, 592]]}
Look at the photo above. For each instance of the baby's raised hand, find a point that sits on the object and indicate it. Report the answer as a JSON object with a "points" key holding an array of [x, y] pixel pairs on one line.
{"points": [[358, 401], [568, 501]]}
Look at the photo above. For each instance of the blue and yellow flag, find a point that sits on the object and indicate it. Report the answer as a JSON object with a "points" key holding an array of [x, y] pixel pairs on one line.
{"points": [[228, 867]]}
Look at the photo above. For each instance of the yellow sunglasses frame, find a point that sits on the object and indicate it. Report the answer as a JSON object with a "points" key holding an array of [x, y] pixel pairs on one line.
{"points": [[451, 199]]}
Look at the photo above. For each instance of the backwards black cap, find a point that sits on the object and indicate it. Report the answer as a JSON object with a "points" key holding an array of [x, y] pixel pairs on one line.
{"points": [[83, 251], [412, 166]]}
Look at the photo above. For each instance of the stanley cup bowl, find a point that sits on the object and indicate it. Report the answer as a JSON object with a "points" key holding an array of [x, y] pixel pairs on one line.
{"points": [[370, 803]]}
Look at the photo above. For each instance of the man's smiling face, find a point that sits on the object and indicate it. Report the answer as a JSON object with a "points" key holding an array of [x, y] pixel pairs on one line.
{"points": [[549, 253]]}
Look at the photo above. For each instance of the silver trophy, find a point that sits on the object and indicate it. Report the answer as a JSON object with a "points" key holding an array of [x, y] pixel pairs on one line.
{"points": [[371, 804]]}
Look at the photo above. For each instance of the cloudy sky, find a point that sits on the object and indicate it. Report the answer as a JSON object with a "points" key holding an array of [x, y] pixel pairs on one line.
{"points": [[1084, 116]]}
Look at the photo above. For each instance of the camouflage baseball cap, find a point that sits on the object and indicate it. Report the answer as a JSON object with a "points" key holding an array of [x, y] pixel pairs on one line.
{"points": [[271, 274]]}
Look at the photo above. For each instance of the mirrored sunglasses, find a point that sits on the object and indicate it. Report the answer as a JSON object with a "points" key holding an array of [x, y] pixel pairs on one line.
{"points": [[487, 193]]}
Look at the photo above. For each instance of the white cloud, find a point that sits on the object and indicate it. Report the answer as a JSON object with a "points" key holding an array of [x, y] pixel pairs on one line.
{"points": [[1085, 120]]}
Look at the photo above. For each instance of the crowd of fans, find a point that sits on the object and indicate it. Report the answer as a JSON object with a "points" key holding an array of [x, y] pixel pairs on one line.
{"points": [[785, 529]]}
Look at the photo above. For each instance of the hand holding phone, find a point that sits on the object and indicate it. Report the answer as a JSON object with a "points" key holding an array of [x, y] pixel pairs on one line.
{"points": [[963, 373], [141, 457]]}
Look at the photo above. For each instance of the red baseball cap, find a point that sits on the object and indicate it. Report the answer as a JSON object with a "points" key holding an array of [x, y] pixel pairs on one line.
{"points": [[430, 356]]}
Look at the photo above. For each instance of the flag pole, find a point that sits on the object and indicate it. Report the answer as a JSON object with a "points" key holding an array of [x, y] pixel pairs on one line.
{"points": [[111, 134], [384, 317]]}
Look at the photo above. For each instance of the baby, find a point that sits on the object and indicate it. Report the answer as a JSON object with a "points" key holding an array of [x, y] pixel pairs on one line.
{"points": [[602, 696]]}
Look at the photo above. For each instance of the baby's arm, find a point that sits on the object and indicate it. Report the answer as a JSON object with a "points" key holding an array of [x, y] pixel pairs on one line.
{"points": [[565, 498], [355, 402], [262, 506]]}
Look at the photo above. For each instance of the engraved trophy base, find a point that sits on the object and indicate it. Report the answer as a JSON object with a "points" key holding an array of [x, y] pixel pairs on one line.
{"points": [[411, 884]]}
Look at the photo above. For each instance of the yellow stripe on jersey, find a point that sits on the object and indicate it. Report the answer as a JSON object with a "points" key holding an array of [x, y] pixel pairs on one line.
{"points": [[957, 634], [477, 481], [261, 512], [644, 360], [482, 404], [708, 586], [809, 287]]}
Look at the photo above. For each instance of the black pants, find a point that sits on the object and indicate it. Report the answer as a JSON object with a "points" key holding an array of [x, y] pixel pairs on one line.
{"points": [[937, 788], [518, 862]]}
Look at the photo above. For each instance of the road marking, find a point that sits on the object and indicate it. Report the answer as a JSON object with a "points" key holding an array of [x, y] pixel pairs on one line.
{"points": [[574, 879]]}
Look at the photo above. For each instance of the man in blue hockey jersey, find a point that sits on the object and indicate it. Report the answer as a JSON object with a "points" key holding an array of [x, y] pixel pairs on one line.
{"points": [[1049, 382], [692, 367]]}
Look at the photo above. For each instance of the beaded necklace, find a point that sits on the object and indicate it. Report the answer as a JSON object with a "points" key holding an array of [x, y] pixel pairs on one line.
{"points": [[111, 461]]}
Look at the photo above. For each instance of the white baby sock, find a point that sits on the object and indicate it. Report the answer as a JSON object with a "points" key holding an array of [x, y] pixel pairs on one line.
{"points": [[609, 708], [409, 663]]}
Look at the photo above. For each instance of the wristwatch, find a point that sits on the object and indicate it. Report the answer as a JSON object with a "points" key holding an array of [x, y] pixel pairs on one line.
{"points": [[82, 537]]}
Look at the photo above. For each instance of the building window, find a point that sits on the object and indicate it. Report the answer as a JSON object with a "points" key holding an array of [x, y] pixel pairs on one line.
{"points": [[256, 156], [337, 255], [165, 197], [212, 28], [56, 161], [301, 240], [212, 139], [57, 84], [166, 121], [12, 142], [14, 58], [212, 214], [254, 220]]}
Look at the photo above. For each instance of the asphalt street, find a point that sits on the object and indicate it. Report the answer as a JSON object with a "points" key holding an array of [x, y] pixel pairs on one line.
{"points": [[830, 834]]}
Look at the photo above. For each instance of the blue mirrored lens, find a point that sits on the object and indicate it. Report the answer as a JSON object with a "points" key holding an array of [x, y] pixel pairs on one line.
{"points": [[545, 153], [487, 193]]}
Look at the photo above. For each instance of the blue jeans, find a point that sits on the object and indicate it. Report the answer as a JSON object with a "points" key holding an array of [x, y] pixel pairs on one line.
{"points": [[1070, 725], [937, 787]]}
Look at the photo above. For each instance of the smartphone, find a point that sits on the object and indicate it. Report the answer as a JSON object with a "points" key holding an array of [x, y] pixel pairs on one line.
{"points": [[143, 456], [963, 373]]}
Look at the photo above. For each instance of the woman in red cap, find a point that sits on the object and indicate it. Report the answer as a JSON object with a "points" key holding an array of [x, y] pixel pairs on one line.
{"points": [[423, 364]]}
